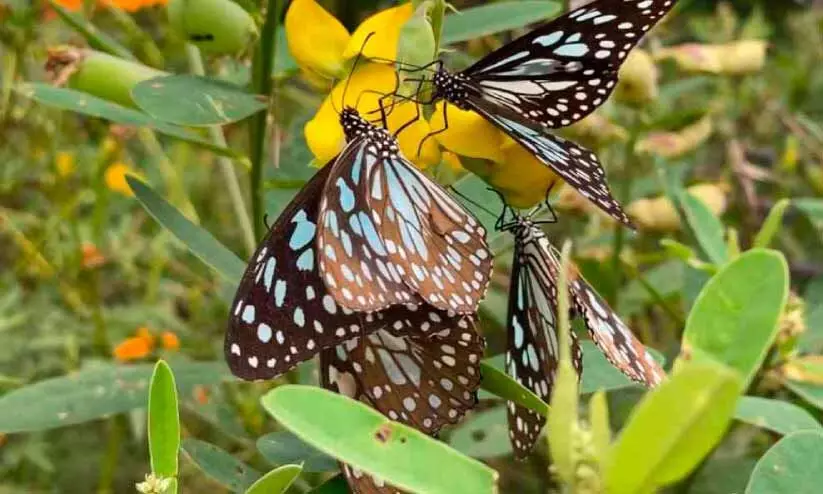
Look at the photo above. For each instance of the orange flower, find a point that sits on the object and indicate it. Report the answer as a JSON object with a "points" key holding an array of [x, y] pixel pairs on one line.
{"points": [[134, 348], [201, 394], [146, 334], [92, 258], [170, 341], [127, 5]]}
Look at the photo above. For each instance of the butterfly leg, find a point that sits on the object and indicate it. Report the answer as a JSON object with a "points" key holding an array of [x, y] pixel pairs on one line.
{"points": [[438, 131]]}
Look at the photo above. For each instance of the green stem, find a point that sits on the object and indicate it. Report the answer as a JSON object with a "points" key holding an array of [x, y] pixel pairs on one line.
{"points": [[623, 196], [217, 137], [262, 85]]}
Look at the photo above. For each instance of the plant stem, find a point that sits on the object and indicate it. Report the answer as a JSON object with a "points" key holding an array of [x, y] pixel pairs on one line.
{"points": [[226, 167], [623, 196], [262, 85]]}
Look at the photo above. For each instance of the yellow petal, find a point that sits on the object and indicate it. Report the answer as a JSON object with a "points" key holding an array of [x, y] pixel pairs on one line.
{"points": [[520, 177], [659, 214], [638, 78], [115, 178], [386, 26], [316, 39], [452, 161], [363, 89], [468, 134], [744, 57]]}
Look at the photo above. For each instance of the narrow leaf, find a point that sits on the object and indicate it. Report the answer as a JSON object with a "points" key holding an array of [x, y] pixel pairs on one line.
{"points": [[772, 224], [494, 18], [706, 227], [503, 386], [192, 100], [95, 38], [365, 439], [775, 415], [163, 422], [283, 447], [220, 466], [200, 242], [599, 420], [276, 481]]}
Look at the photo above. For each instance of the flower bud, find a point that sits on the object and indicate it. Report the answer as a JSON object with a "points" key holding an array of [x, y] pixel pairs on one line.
{"points": [[638, 79], [675, 144], [215, 26]]}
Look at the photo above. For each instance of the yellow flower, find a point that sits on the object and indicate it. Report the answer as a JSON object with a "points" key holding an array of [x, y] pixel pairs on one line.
{"points": [[452, 161], [659, 214], [520, 177], [316, 39], [115, 178], [64, 162], [674, 144], [386, 26], [170, 341], [638, 78], [737, 57], [363, 89], [468, 134]]}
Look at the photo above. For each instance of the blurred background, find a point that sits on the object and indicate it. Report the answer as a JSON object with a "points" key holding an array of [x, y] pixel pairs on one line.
{"points": [[724, 97]]}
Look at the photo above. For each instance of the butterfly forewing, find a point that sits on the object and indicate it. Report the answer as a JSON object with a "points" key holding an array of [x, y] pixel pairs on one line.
{"points": [[533, 347], [357, 268], [282, 313], [576, 165], [563, 70], [439, 247]]}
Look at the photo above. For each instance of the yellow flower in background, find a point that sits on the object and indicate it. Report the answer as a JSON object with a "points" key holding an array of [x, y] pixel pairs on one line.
{"points": [[115, 178], [638, 78], [384, 28], [675, 144], [64, 163], [659, 214], [316, 38], [735, 58]]}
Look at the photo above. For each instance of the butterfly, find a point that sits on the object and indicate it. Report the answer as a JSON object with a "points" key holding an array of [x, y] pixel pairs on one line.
{"points": [[422, 380], [533, 346], [553, 77], [283, 312]]}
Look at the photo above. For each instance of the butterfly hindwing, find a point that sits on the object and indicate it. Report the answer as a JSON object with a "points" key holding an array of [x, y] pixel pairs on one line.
{"points": [[560, 72], [576, 165]]}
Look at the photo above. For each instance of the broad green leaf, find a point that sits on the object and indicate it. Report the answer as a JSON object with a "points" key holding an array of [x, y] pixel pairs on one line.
{"points": [[500, 384], [283, 447], [416, 44], [276, 481], [195, 100], [706, 227], [200, 242], [95, 393], [793, 465], [722, 474], [365, 439], [483, 435], [673, 428], [220, 465], [775, 415], [812, 208], [772, 224], [86, 104], [812, 393], [164, 422], [493, 18], [735, 318], [811, 340]]}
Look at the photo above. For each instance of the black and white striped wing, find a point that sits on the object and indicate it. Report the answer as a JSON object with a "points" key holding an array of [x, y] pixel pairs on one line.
{"points": [[560, 72], [532, 354], [576, 165]]}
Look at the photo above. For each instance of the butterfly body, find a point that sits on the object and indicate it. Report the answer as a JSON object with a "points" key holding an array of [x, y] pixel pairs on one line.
{"points": [[533, 345]]}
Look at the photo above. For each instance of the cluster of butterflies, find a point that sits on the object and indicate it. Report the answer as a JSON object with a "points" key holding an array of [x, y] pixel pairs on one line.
{"points": [[379, 270]]}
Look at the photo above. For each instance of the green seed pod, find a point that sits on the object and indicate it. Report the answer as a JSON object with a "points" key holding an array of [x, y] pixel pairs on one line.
{"points": [[98, 74], [416, 45], [219, 27]]}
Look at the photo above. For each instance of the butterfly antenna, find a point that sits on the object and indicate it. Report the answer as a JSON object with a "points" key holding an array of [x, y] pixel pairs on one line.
{"points": [[471, 201], [354, 67]]}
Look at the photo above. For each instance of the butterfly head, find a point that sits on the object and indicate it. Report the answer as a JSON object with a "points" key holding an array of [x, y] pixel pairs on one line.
{"points": [[450, 87], [353, 124]]}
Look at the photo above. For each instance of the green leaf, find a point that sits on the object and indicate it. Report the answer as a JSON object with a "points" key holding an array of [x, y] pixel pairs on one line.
{"points": [[283, 447], [220, 466], [500, 16], [365, 439], [793, 465], [195, 100], [772, 224], [164, 422], [812, 208], [673, 428], [200, 242], [706, 227], [722, 474], [812, 393], [276, 481], [86, 104], [335, 485], [96, 38], [599, 424], [775, 415], [483, 435], [500, 384], [735, 318], [94, 393], [811, 341]]}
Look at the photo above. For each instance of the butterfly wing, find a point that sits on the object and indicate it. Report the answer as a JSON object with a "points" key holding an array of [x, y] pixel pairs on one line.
{"points": [[576, 165], [282, 313], [533, 347], [422, 381], [560, 72], [439, 247], [354, 259]]}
